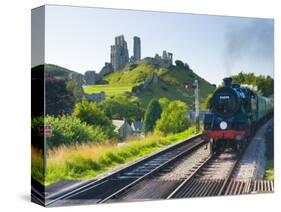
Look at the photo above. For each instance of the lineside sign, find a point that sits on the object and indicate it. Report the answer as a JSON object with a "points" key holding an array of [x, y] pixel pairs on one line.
{"points": [[45, 130]]}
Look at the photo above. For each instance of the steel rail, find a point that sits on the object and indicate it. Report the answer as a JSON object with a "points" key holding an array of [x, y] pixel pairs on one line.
{"points": [[205, 187], [94, 183], [154, 171], [229, 175], [189, 177]]}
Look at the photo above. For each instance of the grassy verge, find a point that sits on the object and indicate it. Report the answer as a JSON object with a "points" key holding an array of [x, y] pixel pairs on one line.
{"points": [[85, 161], [270, 170], [37, 165], [110, 90]]}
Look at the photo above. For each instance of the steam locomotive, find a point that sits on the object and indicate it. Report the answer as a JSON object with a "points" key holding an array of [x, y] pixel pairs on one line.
{"points": [[235, 112]]}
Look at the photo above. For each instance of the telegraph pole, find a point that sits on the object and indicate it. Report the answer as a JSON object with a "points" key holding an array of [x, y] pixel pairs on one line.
{"points": [[195, 86], [196, 95]]}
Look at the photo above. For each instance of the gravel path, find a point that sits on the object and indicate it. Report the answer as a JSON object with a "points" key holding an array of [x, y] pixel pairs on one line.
{"points": [[253, 163]]}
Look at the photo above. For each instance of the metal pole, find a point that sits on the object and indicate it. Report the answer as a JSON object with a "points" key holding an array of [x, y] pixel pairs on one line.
{"points": [[196, 94]]}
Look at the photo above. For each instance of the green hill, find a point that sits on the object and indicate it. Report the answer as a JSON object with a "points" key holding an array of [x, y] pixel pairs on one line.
{"points": [[63, 87], [58, 70], [149, 81]]}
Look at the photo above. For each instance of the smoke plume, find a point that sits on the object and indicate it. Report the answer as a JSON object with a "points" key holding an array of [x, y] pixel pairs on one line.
{"points": [[254, 42]]}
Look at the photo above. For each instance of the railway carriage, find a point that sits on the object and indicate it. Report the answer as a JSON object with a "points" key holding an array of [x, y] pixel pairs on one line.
{"points": [[235, 112]]}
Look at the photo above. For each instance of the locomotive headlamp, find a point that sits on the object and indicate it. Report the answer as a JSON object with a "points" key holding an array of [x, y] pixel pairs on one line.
{"points": [[223, 125]]}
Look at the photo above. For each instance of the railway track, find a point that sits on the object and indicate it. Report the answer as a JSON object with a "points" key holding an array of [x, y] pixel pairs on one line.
{"points": [[106, 188], [210, 178], [250, 186], [216, 176], [248, 177], [152, 178]]}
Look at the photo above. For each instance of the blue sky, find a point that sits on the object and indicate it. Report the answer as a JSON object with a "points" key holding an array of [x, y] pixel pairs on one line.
{"points": [[79, 38]]}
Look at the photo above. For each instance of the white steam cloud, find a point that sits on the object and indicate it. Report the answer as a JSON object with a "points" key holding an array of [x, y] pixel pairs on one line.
{"points": [[252, 42]]}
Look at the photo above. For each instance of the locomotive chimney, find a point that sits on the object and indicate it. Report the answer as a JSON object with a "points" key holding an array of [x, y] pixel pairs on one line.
{"points": [[227, 81]]}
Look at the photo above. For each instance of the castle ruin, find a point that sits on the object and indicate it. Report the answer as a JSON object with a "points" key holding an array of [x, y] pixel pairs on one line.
{"points": [[119, 56], [165, 61], [137, 48]]}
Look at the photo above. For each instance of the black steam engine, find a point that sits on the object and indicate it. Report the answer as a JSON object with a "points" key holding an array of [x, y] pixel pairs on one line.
{"points": [[235, 111]]}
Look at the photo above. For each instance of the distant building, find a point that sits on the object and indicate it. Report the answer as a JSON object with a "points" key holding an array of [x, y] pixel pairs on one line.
{"points": [[137, 127], [123, 128], [90, 77], [137, 48], [119, 55]]}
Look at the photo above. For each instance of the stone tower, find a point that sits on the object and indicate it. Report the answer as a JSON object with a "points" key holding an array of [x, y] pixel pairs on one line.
{"points": [[137, 48], [119, 53]]}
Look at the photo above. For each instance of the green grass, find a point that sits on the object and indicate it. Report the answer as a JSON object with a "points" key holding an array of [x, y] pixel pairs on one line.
{"points": [[170, 84], [270, 170], [37, 166], [135, 76], [85, 161], [110, 90]]}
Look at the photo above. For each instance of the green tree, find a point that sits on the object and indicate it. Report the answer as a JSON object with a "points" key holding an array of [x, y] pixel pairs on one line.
{"points": [[152, 114], [164, 102], [120, 107], [76, 89], [173, 118], [89, 112], [263, 83], [179, 63]]}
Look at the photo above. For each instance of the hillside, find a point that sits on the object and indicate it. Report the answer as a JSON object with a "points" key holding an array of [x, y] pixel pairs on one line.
{"points": [[149, 81], [62, 87], [59, 71]]}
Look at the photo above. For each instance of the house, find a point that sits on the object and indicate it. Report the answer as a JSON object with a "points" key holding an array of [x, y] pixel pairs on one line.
{"points": [[123, 128], [137, 127]]}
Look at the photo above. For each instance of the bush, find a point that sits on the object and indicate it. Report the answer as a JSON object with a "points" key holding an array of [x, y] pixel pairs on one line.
{"points": [[173, 118], [89, 112], [163, 102], [120, 107], [35, 124], [67, 130], [137, 88]]}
